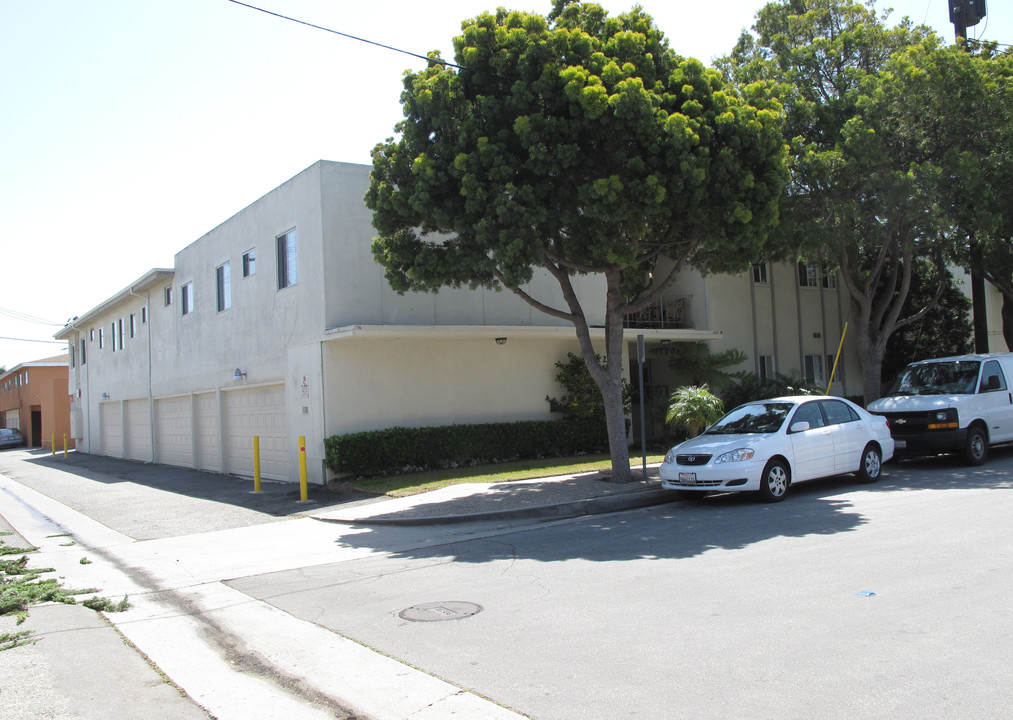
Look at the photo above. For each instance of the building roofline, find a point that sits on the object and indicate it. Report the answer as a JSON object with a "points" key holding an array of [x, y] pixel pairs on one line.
{"points": [[494, 332], [44, 362], [145, 282]]}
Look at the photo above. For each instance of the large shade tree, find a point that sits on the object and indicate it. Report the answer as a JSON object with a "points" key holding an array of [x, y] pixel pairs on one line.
{"points": [[576, 144], [867, 182]]}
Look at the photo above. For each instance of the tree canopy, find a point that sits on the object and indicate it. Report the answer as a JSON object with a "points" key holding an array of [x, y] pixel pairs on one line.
{"points": [[575, 143], [872, 175]]}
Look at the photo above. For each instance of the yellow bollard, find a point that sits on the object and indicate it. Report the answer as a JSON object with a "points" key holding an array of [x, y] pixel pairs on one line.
{"points": [[52, 444], [65, 445], [256, 463], [304, 494]]}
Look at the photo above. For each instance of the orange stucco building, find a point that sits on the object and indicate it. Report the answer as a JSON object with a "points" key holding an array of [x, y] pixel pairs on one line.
{"points": [[34, 399]]}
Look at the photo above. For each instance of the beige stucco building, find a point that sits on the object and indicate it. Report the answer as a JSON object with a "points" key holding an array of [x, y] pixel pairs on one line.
{"points": [[279, 324]]}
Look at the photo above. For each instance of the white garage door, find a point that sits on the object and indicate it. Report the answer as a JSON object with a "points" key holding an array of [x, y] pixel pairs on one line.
{"points": [[208, 455], [260, 412], [138, 429], [174, 427], [111, 423]]}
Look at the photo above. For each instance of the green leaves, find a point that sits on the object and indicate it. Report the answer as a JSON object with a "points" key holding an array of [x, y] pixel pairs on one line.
{"points": [[580, 138]]}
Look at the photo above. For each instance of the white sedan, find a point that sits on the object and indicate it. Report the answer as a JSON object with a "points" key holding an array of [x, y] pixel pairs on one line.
{"points": [[767, 445]]}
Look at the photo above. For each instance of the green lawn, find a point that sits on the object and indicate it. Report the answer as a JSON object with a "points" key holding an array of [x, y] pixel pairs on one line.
{"points": [[415, 483]]}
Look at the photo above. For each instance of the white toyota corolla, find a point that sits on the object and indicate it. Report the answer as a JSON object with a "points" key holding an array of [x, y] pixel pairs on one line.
{"points": [[767, 445]]}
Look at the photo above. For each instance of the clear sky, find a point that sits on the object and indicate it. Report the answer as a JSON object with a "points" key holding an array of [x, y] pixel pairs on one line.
{"points": [[129, 128]]}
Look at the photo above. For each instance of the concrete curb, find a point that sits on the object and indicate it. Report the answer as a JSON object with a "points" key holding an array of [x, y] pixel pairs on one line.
{"points": [[556, 511]]}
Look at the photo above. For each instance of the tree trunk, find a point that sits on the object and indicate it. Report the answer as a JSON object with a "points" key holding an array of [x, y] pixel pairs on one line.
{"points": [[1007, 320], [870, 356]]}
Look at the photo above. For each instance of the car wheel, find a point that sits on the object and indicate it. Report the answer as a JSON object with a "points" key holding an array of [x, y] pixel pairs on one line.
{"points": [[976, 447], [872, 464], [774, 481]]}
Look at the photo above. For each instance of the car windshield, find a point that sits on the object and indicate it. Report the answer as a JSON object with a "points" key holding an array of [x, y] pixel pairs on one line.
{"points": [[953, 377], [753, 418]]}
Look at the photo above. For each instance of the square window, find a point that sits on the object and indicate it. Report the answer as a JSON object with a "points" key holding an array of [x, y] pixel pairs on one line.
{"points": [[250, 262], [288, 267], [186, 293], [223, 287]]}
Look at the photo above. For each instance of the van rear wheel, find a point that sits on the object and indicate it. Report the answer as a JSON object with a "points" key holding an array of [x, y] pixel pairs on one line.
{"points": [[976, 447]]}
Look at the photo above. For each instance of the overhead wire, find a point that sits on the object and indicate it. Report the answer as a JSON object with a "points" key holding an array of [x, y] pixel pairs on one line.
{"points": [[346, 35], [28, 318]]}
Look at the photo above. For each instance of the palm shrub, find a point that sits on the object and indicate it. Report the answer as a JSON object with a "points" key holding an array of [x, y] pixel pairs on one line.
{"points": [[692, 408]]}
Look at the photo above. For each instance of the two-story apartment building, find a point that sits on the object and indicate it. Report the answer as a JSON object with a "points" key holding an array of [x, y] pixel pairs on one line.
{"points": [[34, 399], [279, 324]]}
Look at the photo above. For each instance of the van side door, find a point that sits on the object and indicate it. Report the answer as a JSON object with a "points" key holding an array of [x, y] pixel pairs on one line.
{"points": [[998, 398]]}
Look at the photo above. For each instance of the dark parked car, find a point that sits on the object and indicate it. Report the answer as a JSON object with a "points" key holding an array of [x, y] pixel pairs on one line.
{"points": [[11, 438]]}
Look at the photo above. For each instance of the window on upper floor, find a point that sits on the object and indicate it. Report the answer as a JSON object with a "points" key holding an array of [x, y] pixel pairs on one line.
{"points": [[101, 339], [84, 357], [288, 267], [766, 367], [91, 334], [813, 275], [168, 295], [133, 325], [249, 262], [119, 333], [186, 298], [144, 315], [72, 354], [760, 273], [223, 287], [112, 336]]}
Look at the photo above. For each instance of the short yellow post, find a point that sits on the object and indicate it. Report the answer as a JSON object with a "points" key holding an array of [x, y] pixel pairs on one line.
{"points": [[65, 445], [52, 444], [304, 494], [256, 463]]}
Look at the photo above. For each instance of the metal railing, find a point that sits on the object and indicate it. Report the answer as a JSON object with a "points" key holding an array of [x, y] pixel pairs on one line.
{"points": [[670, 312]]}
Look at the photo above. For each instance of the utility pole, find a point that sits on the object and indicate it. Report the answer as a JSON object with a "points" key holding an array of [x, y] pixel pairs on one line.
{"points": [[965, 14]]}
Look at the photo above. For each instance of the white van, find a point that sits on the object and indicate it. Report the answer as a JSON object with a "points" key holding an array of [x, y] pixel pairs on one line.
{"points": [[954, 404]]}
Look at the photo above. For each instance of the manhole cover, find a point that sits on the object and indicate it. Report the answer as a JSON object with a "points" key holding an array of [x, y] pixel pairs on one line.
{"points": [[432, 612]]}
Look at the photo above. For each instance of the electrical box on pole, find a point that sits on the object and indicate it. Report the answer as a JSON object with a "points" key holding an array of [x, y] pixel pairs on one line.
{"points": [[965, 14]]}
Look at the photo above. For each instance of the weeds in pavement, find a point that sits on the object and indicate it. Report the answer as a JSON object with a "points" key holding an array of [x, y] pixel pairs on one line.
{"points": [[22, 587]]}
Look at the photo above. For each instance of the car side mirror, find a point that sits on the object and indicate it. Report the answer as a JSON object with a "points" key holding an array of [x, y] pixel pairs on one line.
{"points": [[800, 426]]}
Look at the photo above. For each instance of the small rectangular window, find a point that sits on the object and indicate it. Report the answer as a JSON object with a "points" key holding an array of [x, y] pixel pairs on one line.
{"points": [[808, 275], [249, 262], [84, 358], [814, 370], [119, 333], [133, 325], [91, 334], [186, 293], [72, 348], [760, 273], [223, 287], [288, 266], [101, 339], [766, 367], [168, 295], [144, 315]]}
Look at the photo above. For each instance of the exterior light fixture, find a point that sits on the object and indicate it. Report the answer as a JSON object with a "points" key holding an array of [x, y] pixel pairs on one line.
{"points": [[104, 396], [238, 375], [501, 341]]}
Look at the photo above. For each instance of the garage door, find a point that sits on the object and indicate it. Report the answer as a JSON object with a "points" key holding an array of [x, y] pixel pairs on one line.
{"points": [[261, 412], [138, 429], [208, 455], [173, 425], [111, 424]]}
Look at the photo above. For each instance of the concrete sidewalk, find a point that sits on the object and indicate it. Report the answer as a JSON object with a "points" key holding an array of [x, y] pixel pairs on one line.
{"points": [[168, 537]]}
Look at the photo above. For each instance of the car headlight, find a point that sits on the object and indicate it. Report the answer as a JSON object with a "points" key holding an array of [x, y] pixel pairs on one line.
{"points": [[670, 456], [944, 419], [737, 455]]}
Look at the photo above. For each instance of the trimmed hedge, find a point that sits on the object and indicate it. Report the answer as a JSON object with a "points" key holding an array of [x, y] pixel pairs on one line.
{"points": [[401, 449]]}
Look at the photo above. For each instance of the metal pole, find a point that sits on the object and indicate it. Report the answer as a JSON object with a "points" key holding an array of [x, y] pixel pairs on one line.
{"points": [[643, 427], [303, 489], [256, 463]]}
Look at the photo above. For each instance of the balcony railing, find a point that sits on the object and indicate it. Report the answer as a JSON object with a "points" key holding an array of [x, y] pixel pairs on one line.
{"points": [[668, 313]]}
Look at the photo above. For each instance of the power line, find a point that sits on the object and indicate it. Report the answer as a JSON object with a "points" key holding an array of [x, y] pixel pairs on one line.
{"points": [[346, 35], [28, 318], [54, 342]]}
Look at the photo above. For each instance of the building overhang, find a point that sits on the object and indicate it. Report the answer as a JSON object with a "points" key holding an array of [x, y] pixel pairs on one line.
{"points": [[151, 278], [496, 332]]}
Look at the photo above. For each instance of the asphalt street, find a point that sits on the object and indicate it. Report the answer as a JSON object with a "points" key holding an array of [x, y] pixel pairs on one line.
{"points": [[844, 601]]}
